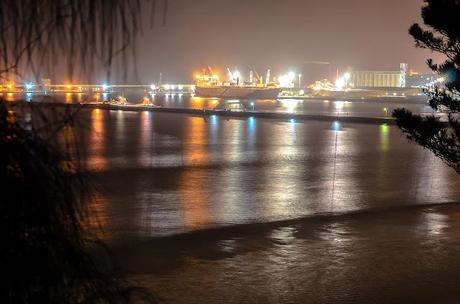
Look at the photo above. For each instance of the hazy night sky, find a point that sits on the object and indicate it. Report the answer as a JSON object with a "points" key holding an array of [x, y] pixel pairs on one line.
{"points": [[281, 35]]}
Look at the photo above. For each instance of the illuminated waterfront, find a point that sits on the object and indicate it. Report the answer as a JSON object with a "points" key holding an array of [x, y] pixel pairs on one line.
{"points": [[382, 107]]}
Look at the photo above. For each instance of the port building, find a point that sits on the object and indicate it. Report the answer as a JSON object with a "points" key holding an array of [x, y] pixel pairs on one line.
{"points": [[379, 79]]}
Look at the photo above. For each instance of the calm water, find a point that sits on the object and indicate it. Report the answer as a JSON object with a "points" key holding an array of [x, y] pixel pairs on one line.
{"points": [[169, 173], [215, 210], [263, 211]]}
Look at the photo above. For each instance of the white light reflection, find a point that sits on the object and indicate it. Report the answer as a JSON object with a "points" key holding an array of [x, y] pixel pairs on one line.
{"points": [[281, 178], [344, 195], [290, 104]]}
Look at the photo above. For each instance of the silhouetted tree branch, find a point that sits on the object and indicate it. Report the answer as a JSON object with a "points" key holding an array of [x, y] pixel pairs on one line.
{"points": [[48, 250], [440, 134], [82, 32]]}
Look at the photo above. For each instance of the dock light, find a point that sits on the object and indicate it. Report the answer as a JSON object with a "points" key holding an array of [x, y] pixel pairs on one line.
{"points": [[292, 120], [10, 85], [166, 87], [29, 86], [179, 87], [105, 87], [153, 87], [347, 76], [336, 125], [340, 83]]}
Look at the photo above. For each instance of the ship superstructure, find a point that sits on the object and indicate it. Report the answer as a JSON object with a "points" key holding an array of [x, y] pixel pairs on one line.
{"points": [[209, 85]]}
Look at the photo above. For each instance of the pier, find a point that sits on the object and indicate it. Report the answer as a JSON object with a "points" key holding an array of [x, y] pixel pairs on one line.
{"points": [[291, 117]]}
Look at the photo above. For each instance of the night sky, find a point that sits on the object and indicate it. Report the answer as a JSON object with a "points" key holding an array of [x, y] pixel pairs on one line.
{"points": [[280, 34]]}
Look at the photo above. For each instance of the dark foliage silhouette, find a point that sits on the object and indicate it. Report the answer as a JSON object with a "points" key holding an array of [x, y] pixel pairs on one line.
{"points": [[440, 133], [49, 255], [45, 194]]}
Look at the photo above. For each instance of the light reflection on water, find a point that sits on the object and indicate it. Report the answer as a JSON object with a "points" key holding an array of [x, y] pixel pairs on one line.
{"points": [[97, 141], [167, 174], [191, 173]]}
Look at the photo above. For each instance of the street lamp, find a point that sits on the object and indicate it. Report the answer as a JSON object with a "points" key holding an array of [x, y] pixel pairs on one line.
{"points": [[253, 106]]}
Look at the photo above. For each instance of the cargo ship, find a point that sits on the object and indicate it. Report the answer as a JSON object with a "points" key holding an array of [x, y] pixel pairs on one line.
{"points": [[208, 85]]}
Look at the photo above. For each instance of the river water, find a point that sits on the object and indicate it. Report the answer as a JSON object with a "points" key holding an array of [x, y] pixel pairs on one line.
{"points": [[217, 210]]}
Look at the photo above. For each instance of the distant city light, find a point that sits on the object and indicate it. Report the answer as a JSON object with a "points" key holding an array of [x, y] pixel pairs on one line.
{"points": [[153, 87], [286, 80], [29, 86], [340, 83], [105, 87], [336, 125], [236, 76]]}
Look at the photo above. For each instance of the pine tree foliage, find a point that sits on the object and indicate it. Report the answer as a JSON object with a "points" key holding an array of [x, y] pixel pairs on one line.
{"points": [[439, 133]]}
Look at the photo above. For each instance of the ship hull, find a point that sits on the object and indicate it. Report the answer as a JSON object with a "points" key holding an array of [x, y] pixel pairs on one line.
{"points": [[229, 92]]}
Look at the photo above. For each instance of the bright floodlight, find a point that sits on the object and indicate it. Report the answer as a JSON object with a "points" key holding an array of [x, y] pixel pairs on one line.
{"points": [[29, 86], [340, 83], [347, 76], [105, 87], [285, 81], [236, 74], [153, 87], [291, 75]]}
